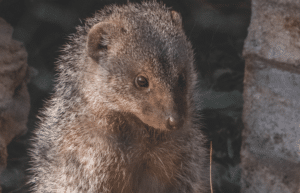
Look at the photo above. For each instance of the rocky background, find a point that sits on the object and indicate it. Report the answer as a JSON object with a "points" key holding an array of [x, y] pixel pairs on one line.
{"points": [[270, 153], [14, 96], [217, 30]]}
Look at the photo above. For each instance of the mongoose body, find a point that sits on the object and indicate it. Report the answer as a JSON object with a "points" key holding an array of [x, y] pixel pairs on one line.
{"points": [[123, 115]]}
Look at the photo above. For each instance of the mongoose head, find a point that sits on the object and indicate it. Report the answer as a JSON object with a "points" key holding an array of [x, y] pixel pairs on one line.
{"points": [[139, 61]]}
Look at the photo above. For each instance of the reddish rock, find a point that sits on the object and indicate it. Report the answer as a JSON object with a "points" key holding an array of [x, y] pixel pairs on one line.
{"points": [[14, 97]]}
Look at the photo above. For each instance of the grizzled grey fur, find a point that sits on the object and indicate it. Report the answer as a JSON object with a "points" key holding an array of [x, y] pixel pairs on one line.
{"points": [[123, 116]]}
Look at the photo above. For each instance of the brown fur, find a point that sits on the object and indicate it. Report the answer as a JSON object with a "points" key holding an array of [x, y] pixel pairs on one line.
{"points": [[102, 133]]}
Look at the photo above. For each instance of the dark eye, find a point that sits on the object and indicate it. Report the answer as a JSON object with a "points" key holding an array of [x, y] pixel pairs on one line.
{"points": [[141, 81]]}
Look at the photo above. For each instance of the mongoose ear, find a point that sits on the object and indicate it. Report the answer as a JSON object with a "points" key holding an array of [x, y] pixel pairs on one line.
{"points": [[176, 18], [99, 39]]}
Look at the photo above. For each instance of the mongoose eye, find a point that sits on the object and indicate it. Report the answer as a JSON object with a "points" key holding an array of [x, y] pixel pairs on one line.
{"points": [[102, 47], [141, 81]]}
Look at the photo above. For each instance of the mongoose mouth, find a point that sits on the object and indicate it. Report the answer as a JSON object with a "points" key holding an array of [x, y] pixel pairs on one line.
{"points": [[170, 123]]}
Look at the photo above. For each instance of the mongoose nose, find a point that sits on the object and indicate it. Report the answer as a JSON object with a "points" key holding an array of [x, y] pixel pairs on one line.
{"points": [[174, 122]]}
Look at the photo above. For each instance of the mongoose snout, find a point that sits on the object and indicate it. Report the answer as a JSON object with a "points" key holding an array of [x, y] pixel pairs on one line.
{"points": [[174, 122]]}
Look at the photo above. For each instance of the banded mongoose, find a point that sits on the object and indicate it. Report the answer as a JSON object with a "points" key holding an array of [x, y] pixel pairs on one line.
{"points": [[123, 117]]}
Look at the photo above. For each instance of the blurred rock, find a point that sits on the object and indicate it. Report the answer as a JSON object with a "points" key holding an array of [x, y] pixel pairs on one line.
{"points": [[14, 97], [270, 154]]}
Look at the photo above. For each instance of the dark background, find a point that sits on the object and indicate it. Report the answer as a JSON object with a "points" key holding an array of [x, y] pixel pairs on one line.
{"points": [[217, 30]]}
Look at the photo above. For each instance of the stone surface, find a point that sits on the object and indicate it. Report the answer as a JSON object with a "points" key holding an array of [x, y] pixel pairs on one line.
{"points": [[14, 97], [294, 3], [274, 32], [270, 154], [271, 138]]}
